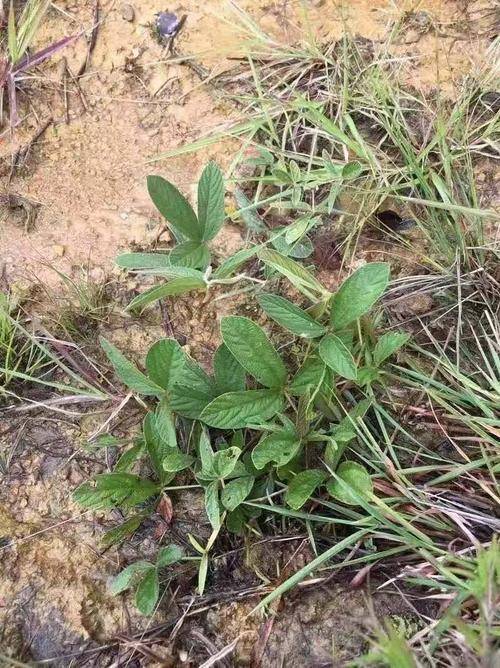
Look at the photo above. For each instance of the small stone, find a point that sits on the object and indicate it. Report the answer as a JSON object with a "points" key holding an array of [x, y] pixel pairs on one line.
{"points": [[124, 215], [128, 13], [58, 250]]}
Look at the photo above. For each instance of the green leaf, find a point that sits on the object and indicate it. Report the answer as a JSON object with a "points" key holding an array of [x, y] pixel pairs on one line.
{"points": [[302, 279], [236, 491], [302, 487], [224, 461], [191, 254], [352, 481], [289, 316], [359, 293], [253, 350], [247, 212], [279, 447], [229, 266], [335, 354], [143, 260], [175, 460], [387, 345], [157, 448], [367, 375], [345, 431], [128, 373], [147, 592], [211, 201], [193, 392], [164, 424], [129, 457], [351, 170], [229, 374], [109, 490], [124, 530], [212, 504], [168, 555], [174, 207], [165, 362], [310, 375], [205, 452], [177, 286], [235, 410], [126, 578]]}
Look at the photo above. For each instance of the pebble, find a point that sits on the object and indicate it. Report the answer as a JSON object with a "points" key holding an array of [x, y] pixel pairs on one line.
{"points": [[124, 215], [58, 250], [128, 13]]}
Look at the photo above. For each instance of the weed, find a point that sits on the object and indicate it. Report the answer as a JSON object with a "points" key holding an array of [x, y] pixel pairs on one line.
{"points": [[20, 36]]}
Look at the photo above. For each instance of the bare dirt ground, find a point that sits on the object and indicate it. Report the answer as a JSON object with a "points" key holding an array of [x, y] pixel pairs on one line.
{"points": [[87, 174]]}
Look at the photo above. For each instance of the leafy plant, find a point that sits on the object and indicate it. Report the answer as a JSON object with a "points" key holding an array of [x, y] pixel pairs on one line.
{"points": [[259, 423], [143, 576], [188, 264]]}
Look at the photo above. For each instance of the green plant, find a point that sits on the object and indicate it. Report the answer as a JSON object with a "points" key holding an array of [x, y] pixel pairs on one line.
{"points": [[283, 430], [187, 265], [143, 576]]}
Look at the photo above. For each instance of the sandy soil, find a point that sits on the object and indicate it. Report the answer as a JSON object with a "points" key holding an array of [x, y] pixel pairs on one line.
{"points": [[87, 172]]}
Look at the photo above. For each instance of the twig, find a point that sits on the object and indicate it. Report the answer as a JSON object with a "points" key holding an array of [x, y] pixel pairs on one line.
{"points": [[22, 152], [92, 41]]}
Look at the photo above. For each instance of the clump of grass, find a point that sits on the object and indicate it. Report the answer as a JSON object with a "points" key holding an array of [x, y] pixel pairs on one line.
{"points": [[18, 355], [20, 34]]}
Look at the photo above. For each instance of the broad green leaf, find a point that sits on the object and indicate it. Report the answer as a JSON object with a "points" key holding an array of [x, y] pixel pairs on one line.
{"points": [[174, 207], [211, 201], [109, 490], [367, 375], [147, 593], [164, 424], [289, 316], [279, 447], [194, 391], [359, 293], [224, 461], [229, 266], [128, 373], [310, 375], [212, 507], [124, 530], [353, 481], [157, 448], [302, 279], [335, 354], [236, 491], [188, 401], [143, 260], [191, 254], [129, 457], [296, 230], [235, 410], [168, 555], [387, 345], [165, 362], [253, 350], [126, 578], [175, 460], [205, 452], [302, 487], [177, 286], [229, 374]]}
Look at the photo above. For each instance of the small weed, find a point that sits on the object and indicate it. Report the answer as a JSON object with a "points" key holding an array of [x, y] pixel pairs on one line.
{"points": [[21, 33]]}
